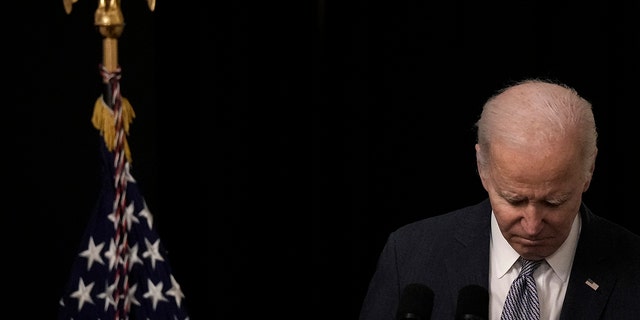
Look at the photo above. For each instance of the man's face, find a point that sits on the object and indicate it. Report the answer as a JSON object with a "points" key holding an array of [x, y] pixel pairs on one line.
{"points": [[535, 195]]}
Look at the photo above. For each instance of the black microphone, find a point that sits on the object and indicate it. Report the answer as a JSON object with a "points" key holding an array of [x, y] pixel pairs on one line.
{"points": [[473, 303], [416, 302]]}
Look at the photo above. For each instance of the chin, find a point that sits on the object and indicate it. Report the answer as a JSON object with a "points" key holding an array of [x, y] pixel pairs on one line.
{"points": [[534, 252]]}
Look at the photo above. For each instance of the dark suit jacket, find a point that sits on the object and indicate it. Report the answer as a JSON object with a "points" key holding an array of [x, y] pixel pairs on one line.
{"points": [[450, 251]]}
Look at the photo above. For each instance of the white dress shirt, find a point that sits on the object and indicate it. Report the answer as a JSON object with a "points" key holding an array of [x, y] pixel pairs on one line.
{"points": [[551, 276]]}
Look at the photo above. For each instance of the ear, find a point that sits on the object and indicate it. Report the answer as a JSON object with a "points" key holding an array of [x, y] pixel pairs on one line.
{"points": [[591, 170], [479, 168]]}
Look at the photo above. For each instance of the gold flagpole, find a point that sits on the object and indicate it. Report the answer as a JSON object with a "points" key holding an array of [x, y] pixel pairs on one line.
{"points": [[110, 22]]}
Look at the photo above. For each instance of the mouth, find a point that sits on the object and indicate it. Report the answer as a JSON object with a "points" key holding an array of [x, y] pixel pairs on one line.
{"points": [[531, 242]]}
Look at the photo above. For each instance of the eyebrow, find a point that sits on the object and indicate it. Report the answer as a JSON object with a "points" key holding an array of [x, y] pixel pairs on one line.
{"points": [[558, 198]]}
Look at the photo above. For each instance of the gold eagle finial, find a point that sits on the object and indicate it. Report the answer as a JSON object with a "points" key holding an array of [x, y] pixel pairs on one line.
{"points": [[69, 3]]}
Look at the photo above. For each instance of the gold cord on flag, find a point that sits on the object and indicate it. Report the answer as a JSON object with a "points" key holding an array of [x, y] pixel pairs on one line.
{"points": [[103, 119]]}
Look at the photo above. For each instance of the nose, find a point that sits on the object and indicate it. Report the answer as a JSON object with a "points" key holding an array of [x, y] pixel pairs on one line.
{"points": [[532, 219]]}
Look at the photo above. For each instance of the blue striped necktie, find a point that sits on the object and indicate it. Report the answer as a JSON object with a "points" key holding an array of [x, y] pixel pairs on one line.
{"points": [[522, 300]]}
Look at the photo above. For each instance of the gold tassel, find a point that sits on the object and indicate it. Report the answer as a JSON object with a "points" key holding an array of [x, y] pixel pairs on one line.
{"points": [[103, 120]]}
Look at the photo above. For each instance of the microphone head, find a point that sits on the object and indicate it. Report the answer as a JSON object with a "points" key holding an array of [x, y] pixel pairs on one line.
{"points": [[473, 303], [416, 302]]}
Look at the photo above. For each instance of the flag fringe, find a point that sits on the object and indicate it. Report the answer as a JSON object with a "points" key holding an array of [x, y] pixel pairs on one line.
{"points": [[103, 120]]}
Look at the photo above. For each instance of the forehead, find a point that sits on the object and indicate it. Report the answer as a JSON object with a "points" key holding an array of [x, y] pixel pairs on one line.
{"points": [[548, 165]]}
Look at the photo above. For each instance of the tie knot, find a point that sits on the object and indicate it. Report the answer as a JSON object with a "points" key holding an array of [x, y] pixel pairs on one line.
{"points": [[529, 266]]}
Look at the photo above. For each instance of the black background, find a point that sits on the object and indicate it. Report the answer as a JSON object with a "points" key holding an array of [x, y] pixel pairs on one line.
{"points": [[277, 144]]}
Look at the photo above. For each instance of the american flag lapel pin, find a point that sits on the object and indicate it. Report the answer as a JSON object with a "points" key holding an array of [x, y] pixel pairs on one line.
{"points": [[592, 284]]}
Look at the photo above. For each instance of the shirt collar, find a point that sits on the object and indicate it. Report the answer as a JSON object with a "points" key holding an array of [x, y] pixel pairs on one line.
{"points": [[562, 260], [502, 249]]}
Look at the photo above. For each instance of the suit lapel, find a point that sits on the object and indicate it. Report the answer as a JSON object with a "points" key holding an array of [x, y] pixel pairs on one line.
{"points": [[591, 282], [469, 261]]}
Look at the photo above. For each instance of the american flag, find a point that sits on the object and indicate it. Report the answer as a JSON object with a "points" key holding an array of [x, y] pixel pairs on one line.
{"points": [[122, 270]]}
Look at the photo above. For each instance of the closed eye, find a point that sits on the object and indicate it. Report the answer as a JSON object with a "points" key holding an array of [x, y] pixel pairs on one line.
{"points": [[553, 204]]}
